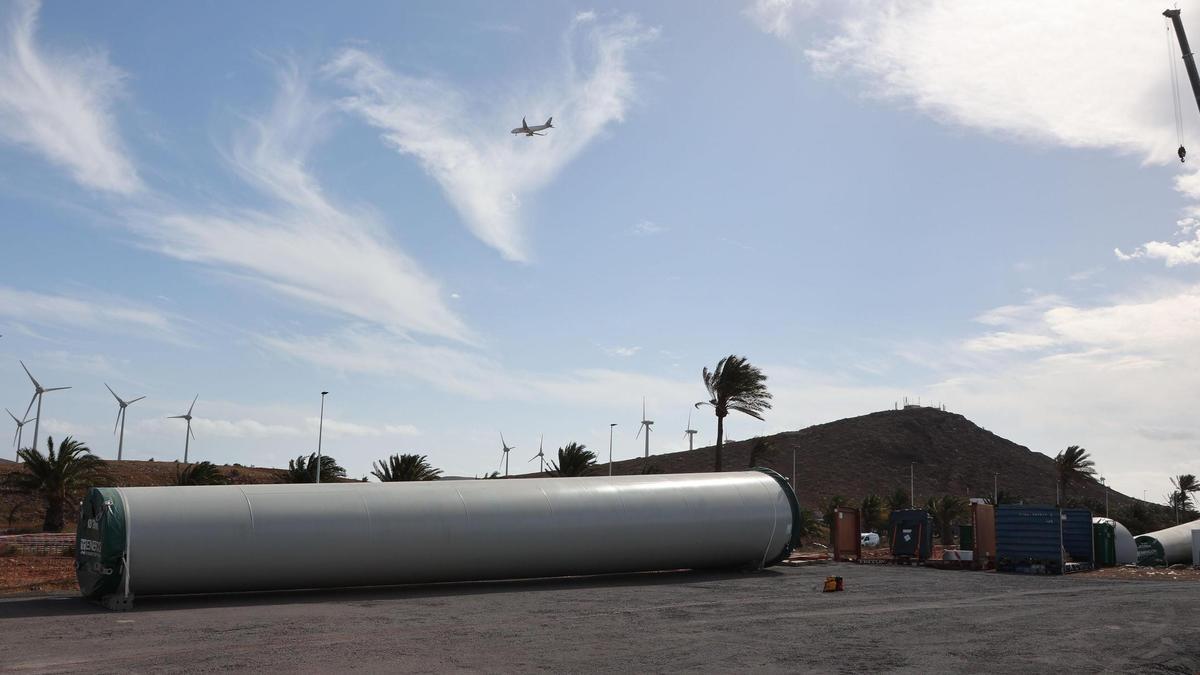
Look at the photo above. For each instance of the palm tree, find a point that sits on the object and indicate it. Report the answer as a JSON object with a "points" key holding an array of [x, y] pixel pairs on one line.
{"points": [[871, 513], [758, 451], [202, 473], [809, 526], [1069, 463], [304, 469], [1186, 484], [829, 506], [56, 475], [734, 385], [899, 500], [946, 511], [574, 459], [405, 467]]}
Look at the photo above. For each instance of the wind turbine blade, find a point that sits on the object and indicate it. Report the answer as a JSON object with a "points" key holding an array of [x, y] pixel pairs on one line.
{"points": [[177, 417], [639, 433], [535, 456], [35, 382], [118, 422], [113, 393], [135, 400], [55, 389], [190, 430], [12, 416], [643, 407], [193, 405], [30, 406]]}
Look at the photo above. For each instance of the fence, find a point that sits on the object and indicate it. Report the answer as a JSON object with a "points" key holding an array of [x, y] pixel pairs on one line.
{"points": [[37, 544]]}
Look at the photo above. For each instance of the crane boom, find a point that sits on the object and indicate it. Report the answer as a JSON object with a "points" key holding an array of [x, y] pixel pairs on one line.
{"points": [[1189, 59]]}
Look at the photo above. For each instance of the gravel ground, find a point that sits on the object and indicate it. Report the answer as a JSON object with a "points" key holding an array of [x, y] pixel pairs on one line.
{"points": [[889, 619]]}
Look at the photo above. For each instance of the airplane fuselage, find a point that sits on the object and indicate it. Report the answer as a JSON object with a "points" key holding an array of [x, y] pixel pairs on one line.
{"points": [[529, 131]]}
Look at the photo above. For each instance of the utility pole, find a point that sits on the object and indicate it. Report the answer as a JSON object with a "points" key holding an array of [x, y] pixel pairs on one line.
{"points": [[320, 433], [996, 489], [610, 436], [793, 468], [1105, 484], [912, 484]]}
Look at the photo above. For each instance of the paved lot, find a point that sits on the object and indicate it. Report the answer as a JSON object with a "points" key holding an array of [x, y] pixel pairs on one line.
{"points": [[906, 619]]}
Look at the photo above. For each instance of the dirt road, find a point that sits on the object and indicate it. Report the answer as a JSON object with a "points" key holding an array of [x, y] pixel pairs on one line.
{"points": [[907, 619]]}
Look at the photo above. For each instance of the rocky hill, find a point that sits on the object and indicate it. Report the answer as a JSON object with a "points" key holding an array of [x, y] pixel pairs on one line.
{"points": [[871, 454]]}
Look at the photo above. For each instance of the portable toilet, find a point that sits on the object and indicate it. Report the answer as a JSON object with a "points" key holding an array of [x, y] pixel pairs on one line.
{"points": [[911, 533]]}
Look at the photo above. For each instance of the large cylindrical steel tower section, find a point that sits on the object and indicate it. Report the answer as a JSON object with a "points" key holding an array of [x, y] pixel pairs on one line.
{"points": [[166, 540]]}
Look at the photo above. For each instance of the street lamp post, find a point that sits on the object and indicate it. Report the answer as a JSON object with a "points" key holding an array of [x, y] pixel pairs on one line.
{"points": [[793, 468], [320, 433], [610, 437], [912, 484], [996, 489], [1105, 484]]}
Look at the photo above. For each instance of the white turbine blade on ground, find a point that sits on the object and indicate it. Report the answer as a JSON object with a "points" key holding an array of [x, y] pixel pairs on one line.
{"points": [[35, 382]]}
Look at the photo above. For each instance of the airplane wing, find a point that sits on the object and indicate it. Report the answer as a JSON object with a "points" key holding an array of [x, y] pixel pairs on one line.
{"points": [[524, 125]]}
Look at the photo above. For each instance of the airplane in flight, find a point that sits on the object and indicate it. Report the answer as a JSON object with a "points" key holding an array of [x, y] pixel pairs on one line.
{"points": [[533, 131]]}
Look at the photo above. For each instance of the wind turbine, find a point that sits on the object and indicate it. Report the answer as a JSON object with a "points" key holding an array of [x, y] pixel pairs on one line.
{"points": [[690, 432], [646, 424], [189, 435], [540, 456], [20, 424], [504, 453], [38, 390], [121, 417]]}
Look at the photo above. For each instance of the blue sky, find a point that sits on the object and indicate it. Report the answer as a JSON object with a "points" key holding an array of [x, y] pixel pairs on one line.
{"points": [[258, 202]]}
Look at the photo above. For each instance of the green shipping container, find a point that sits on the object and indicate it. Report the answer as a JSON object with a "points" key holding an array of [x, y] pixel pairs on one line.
{"points": [[1104, 540]]}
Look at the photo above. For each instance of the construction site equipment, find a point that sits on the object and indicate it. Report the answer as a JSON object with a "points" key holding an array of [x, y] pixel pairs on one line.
{"points": [[911, 533], [209, 539], [1167, 547], [845, 534], [1189, 62]]}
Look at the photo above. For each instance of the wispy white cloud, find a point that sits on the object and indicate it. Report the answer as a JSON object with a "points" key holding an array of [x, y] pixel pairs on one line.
{"points": [[897, 50], [777, 17], [463, 143], [622, 351], [59, 105], [647, 228], [306, 247], [1004, 341], [97, 312]]}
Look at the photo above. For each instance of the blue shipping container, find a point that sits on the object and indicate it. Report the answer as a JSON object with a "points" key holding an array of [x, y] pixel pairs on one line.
{"points": [[1029, 539], [1077, 535]]}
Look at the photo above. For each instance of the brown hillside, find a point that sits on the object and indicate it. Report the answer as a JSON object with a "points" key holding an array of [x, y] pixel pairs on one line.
{"points": [[870, 454]]}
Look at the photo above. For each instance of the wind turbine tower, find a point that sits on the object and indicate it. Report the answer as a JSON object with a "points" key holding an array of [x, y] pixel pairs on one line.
{"points": [[121, 418], [38, 391], [646, 424], [541, 457], [20, 424], [690, 432], [189, 434], [505, 448]]}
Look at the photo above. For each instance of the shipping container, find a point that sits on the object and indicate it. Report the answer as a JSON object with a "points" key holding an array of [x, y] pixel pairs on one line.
{"points": [[1077, 536], [1029, 539]]}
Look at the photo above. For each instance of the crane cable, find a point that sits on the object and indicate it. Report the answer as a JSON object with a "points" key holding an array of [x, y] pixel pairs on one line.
{"points": [[1174, 68]]}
